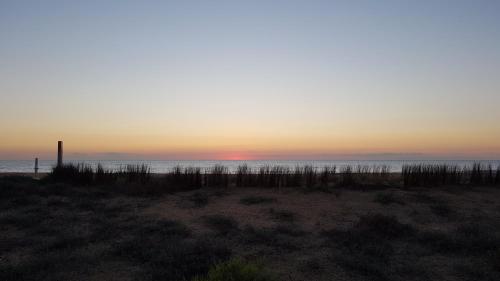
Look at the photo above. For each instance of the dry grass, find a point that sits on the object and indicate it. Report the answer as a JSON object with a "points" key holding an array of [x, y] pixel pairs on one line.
{"points": [[438, 175], [139, 178]]}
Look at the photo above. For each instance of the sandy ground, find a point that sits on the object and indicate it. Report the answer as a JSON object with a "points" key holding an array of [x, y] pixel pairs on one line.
{"points": [[298, 235], [317, 212]]}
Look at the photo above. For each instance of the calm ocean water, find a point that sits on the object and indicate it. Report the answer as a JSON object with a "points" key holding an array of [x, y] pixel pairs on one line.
{"points": [[157, 166]]}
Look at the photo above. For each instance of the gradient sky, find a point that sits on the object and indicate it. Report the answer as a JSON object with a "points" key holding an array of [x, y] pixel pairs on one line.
{"points": [[250, 79]]}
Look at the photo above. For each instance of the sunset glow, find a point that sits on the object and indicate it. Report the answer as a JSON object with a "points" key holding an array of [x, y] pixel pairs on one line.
{"points": [[308, 80]]}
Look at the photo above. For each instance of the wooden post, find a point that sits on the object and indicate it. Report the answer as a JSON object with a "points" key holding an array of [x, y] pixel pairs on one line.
{"points": [[36, 167], [59, 153]]}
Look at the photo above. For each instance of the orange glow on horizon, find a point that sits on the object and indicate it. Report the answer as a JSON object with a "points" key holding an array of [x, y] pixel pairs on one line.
{"points": [[237, 145], [234, 156]]}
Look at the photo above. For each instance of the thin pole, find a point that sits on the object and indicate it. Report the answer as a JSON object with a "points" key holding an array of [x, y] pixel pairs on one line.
{"points": [[59, 153], [36, 167]]}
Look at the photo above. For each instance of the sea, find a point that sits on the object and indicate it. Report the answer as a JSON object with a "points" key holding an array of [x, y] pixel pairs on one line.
{"points": [[163, 166]]}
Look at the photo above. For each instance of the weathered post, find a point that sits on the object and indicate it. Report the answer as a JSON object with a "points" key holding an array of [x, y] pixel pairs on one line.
{"points": [[36, 167], [59, 153]]}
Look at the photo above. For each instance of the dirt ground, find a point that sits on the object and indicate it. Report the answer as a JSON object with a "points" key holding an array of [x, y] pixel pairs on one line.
{"points": [[315, 213], [60, 232]]}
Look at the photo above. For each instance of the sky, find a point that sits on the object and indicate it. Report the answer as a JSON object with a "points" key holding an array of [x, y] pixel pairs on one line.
{"points": [[250, 79]]}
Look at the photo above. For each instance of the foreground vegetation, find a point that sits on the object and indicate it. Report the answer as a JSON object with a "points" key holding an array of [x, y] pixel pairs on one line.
{"points": [[181, 179], [63, 232], [91, 224]]}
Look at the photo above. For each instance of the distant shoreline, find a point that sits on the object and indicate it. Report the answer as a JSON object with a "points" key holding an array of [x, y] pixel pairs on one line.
{"points": [[165, 166]]}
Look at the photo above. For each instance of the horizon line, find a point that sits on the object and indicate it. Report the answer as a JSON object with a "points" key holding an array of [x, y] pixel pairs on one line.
{"points": [[254, 160]]}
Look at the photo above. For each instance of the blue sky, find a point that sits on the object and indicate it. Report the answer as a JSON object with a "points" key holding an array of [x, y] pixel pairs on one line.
{"points": [[250, 78]]}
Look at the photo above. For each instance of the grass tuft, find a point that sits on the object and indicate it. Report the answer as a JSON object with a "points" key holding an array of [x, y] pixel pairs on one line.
{"points": [[217, 176], [438, 175]]}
